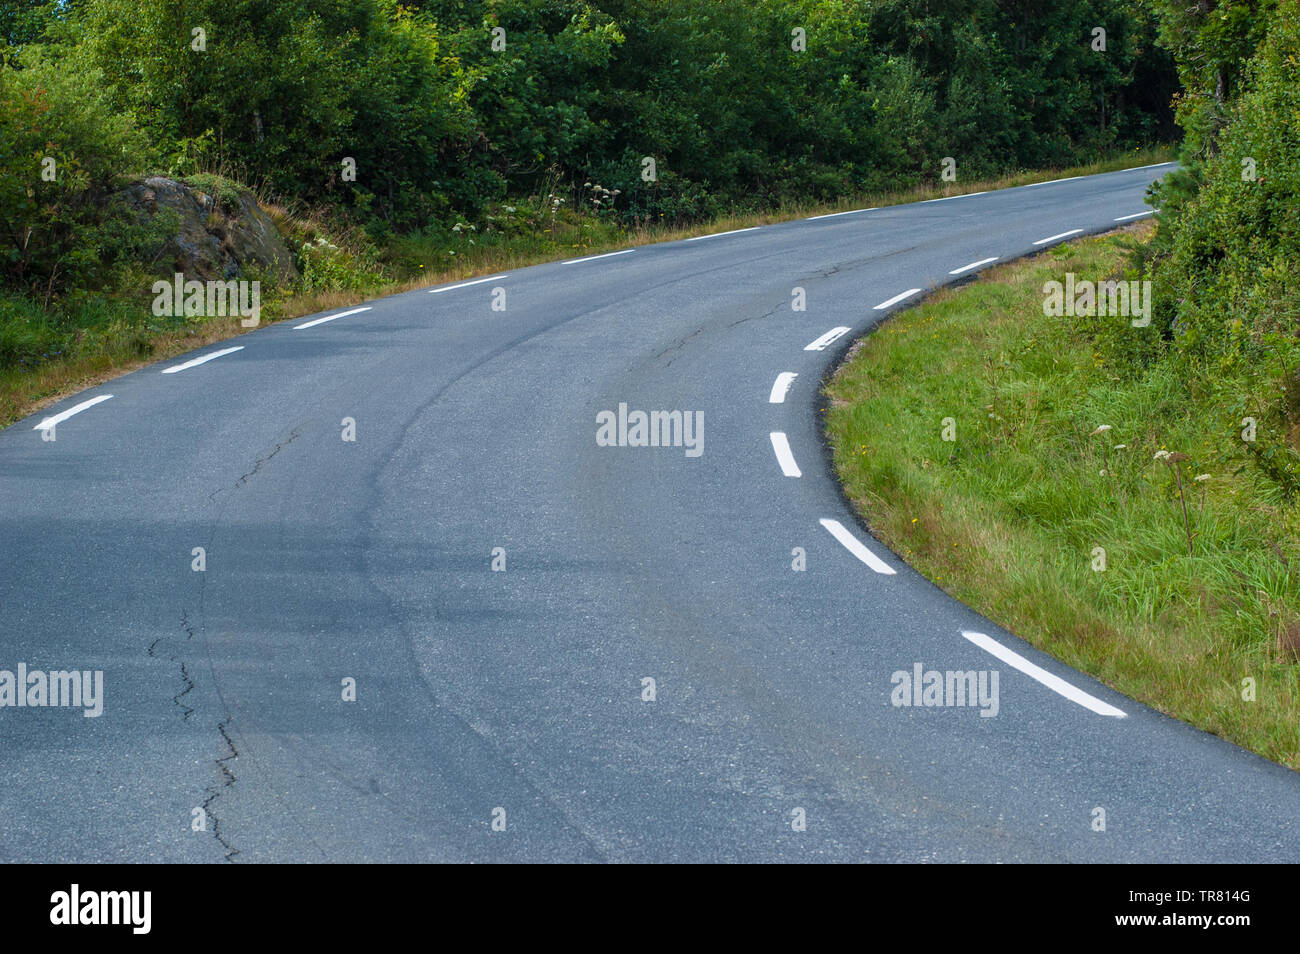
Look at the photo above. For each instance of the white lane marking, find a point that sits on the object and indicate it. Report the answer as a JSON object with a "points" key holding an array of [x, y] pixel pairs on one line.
{"points": [[856, 547], [1154, 165], [698, 238], [1038, 673], [203, 360], [821, 343], [1053, 238], [783, 455], [1050, 181], [592, 258], [781, 386], [896, 299], [64, 415], [831, 215], [964, 195], [320, 321], [967, 268], [477, 281], [1135, 215]]}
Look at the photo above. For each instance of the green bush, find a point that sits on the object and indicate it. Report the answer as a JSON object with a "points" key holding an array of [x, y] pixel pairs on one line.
{"points": [[63, 153]]}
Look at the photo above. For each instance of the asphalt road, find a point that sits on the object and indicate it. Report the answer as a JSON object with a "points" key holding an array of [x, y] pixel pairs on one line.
{"points": [[522, 690]]}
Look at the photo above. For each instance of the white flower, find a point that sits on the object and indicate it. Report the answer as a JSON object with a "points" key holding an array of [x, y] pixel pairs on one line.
{"points": [[1201, 478], [1161, 455], [1101, 429]]}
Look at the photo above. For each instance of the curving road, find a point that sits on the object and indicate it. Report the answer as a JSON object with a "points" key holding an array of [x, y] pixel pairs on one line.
{"points": [[522, 689]]}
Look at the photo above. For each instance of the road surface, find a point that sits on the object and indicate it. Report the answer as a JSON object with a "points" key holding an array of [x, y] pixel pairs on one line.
{"points": [[519, 696]]}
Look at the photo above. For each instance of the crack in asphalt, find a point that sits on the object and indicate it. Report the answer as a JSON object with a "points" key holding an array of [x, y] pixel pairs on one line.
{"points": [[258, 464], [214, 794]]}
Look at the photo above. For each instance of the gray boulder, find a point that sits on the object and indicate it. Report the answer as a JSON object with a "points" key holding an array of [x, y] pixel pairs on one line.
{"points": [[205, 238]]}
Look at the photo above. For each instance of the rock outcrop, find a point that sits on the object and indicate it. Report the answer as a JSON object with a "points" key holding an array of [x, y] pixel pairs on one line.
{"points": [[207, 238]]}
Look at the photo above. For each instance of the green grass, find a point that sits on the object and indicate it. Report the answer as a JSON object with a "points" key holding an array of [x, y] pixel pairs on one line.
{"points": [[1007, 516]]}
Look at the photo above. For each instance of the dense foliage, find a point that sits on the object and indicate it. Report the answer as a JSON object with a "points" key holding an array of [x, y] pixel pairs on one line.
{"points": [[448, 105]]}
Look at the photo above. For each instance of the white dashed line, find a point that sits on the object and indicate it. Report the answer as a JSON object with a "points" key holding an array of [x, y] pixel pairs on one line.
{"points": [[320, 321], [592, 258], [477, 281], [783, 455], [781, 386], [856, 547], [831, 215], [821, 343], [1050, 181], [203, 360], [64, 415], [1154, 165], [967, 268], [1038, 673], [964, 195], [1053, 238], [699, 238], [896, 299], [1135, 215]]}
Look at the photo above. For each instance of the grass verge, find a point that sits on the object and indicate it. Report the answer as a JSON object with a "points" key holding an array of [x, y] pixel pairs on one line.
{"points": [[1055, 461]]}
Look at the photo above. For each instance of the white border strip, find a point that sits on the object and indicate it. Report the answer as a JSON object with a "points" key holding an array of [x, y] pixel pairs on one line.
{"points": [[477, 281], [320, 321], [1050, 181], [973, 265], [783, 456], [781, 386], [856, 547], [831, 215], [700, 238], [945, 198], [64, 415], [203, 360], [896, 299], [1053, 238], [592, 258], [1135, 215], [824, 341], [1039, 674]]}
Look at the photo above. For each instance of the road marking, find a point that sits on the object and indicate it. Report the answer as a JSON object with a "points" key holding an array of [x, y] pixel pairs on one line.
{"points": [[967, 268], [821, 343], [896, 299], [1154, 165], [1135, 215], [964, 195], [592, 258], [698, 238], [831, 215], [781, 386], [1050, 181], [320, 321], [64, 415], [1038, 673], [856, 547], [477, 281], [203, 360], [1053, 238], [783, 455]]}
